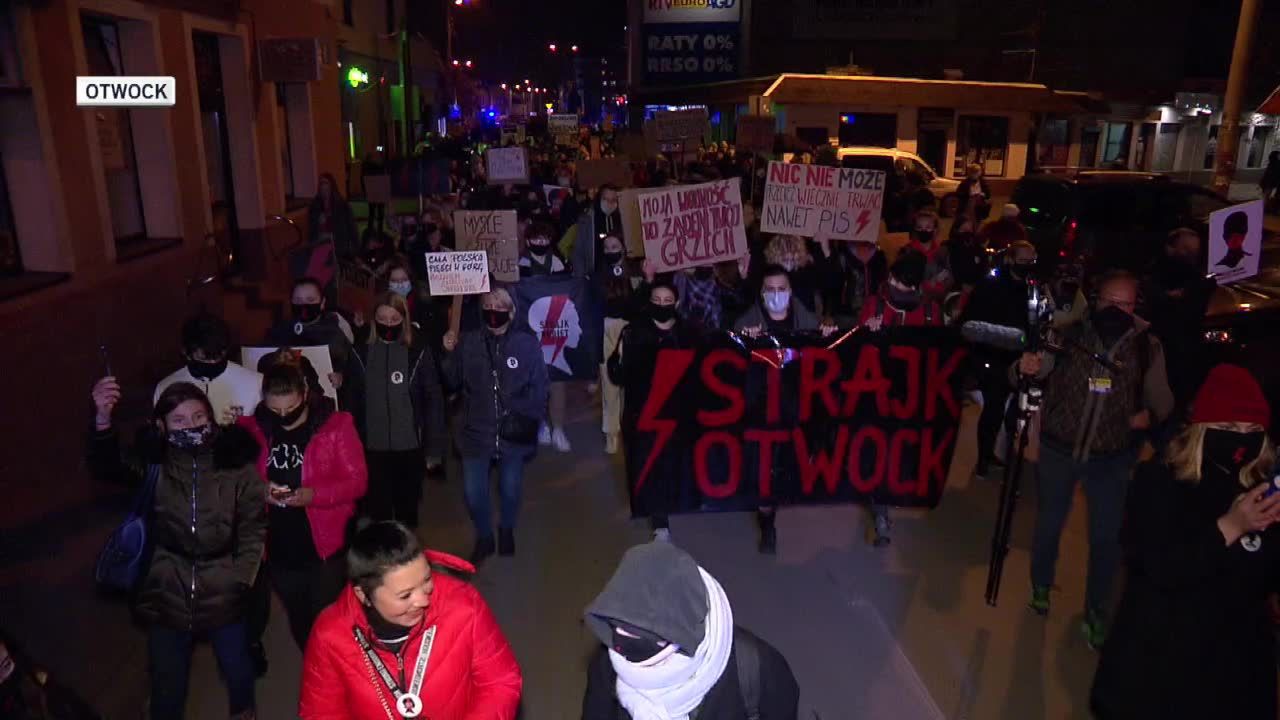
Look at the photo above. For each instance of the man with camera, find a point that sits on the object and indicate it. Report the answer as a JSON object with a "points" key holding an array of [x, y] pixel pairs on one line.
{"points": [[1103, 387]]}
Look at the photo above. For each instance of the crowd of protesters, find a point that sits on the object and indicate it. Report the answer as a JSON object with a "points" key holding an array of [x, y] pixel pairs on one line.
{"points": [[263, 484]]}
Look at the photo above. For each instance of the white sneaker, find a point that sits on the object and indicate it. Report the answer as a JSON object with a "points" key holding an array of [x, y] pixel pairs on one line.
{"points": [[544, 434], [560, 441], [611, 443], [662, 535]]}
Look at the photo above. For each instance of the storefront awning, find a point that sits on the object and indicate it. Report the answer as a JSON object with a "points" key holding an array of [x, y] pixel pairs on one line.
{"points": [[871, 90]]}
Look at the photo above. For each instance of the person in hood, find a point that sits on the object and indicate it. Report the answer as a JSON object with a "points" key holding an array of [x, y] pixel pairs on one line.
{"points": [[405, 639], [232, 389], [1194, 635], [503, 379], [1176, 292], [402, 419], [1092, 416], [1235, 229], [777, 314], [207, 534], [670, 649], [657, 327], [313, 323], [314, 467], [605, 221], [541, 256]]}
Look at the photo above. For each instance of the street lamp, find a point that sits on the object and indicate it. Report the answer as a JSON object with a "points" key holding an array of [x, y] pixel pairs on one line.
{"points": [[456, 63], [467, 63], [574, 48], [552, 47]]}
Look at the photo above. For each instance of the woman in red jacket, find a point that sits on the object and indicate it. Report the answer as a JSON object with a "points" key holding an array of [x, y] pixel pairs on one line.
{"points": [[406, 641], [314, 466]]}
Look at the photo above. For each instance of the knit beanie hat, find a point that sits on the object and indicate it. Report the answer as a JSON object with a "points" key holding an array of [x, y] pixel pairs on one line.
{"points": [[1231, 394]]}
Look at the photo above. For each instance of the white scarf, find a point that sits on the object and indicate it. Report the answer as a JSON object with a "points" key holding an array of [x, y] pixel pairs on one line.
{"points": [[671, 685]]}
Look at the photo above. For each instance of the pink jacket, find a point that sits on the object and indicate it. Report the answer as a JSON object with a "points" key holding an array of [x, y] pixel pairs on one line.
{"points": [[333, 467]]}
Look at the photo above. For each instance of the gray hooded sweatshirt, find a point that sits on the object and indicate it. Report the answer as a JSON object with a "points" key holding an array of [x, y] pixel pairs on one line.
{"points": [[657, 588]]}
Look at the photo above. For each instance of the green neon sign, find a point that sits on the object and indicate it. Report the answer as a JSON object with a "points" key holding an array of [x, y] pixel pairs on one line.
{"points": [[357, 77]]}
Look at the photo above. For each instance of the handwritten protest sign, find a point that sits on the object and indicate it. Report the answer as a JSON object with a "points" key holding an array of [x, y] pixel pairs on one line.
{"points": [[823, 202], [692, 225], [756, 133], [317, 355], [494, 232], [608, 171], [1235, 242], [458, 273], [873, 417], [562, 123], [677, 125], [507, 165]]}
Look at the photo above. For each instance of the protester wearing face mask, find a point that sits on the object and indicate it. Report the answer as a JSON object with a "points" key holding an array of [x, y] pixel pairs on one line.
{"points": [[503, 379], [312, 323], [541, 257], [1092, 415], [605, 220], [938, 279], [1193, 636], [232, 389], [792, 253], [207, 533], [657, 327], [403, 412], [703, 297], [900, 303], [851, 274], [670, 648], [1000, 299], [372, 654], [1176, 294], [618, 287], [314, 468]]}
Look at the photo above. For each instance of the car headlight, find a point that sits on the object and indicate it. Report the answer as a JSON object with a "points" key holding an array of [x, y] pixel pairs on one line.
{"points": [[1218, 336]]}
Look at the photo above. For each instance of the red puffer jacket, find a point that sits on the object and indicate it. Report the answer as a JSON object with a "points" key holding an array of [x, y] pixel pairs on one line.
{"points": [[471, 675], [333, 467]]}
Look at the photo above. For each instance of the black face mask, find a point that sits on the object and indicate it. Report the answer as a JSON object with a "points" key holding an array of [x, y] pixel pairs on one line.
{"points": [[612, 258], [539, 250], [306, 313], [289, 418], [703, 273], [1111, 322], [635, 649], [904, 299], [496, 318], [206, 370], [924, 237], [662, 313], [1226, 451], [389, 333]]}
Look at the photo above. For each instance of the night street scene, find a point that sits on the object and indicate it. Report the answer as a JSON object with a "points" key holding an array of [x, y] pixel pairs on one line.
{"points": [[639, 360]]}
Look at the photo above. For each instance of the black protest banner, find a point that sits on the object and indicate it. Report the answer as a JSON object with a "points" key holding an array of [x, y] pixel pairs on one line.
{"points": [[864, 417], [562, 311]]}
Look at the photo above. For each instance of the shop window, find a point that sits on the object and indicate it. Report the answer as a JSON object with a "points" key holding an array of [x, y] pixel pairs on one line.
{"points": [[984, 140], [1052, 143], [1211, 148], [1258, 145], [115, 136], [869, 130], [1116, 148]]}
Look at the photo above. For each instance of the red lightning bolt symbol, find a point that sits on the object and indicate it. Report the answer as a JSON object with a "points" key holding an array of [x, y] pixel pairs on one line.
{"points": [[863, 219], [670, 370], [549, 335]]}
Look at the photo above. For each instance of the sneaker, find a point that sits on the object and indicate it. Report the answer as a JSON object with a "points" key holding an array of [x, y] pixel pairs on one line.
{"points": [[544, 435], [1039, 600], [1094, 628], [560, 441], [483, 550], [883, 528], [662, 535], [506, 542], [611, 443]]}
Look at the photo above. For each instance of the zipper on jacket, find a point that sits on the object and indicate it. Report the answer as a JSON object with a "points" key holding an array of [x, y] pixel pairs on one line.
{"points": [[195, 489], [497, 404]]}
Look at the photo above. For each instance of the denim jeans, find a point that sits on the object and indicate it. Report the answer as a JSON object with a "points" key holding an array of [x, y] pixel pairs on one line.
{"points": [[1106, 480], [475, 479], [170, 657]]}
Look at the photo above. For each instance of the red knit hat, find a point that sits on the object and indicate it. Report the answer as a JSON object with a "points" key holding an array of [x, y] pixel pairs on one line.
{"points": [[1231, 394]]}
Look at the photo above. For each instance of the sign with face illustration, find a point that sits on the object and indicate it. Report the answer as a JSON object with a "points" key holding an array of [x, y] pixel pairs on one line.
{"points": [[1235, 242]]}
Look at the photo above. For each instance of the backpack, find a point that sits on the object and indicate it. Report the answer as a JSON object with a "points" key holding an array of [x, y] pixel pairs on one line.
{"points": [[123, 560], [747, 658]]}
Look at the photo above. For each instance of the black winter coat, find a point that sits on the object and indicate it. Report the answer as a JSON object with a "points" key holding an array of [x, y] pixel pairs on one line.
{"points": [[522, 387], [778, 693], [1193, 637], [208, 530], [632, 363], [425, 392]]}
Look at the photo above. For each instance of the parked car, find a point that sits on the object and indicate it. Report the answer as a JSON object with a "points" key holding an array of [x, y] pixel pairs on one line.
{"points": [[909, 170], [1088, 221]]}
